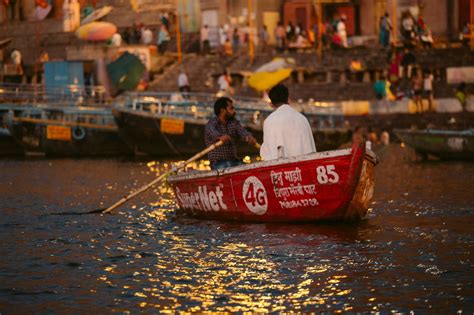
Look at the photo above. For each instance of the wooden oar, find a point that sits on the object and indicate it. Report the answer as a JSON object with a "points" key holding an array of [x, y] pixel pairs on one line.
{"points": [[160, 178]]}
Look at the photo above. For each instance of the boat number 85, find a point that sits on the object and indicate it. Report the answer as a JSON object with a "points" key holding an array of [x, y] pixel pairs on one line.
{"points": [[326, 174]]}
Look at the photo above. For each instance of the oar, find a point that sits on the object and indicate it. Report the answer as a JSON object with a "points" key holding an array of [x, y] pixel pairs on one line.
{"points": [[160, 178]]}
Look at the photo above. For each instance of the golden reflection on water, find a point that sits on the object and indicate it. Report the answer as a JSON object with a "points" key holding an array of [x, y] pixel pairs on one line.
{"points": [[412, 253], [233, 271], [228, 277]]}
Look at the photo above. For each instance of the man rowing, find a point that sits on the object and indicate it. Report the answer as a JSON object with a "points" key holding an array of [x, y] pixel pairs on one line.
{"points": [[226, 128]]}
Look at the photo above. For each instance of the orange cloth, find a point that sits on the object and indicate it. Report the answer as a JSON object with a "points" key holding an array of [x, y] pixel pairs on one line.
{"points": [[228, 48]]}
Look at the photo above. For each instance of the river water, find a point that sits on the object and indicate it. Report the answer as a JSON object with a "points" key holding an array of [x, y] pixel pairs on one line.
{"points": [[414, 252]]}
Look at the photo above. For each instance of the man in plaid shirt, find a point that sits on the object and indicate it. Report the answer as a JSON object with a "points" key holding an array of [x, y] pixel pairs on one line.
{"points": [[226, 128]]}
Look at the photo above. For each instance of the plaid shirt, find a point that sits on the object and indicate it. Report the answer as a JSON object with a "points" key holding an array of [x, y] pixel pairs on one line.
{"points": [[215, 129]]}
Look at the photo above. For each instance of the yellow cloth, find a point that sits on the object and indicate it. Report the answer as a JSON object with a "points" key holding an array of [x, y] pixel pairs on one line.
{"points": [[134, 5], [262, 81], [389, 93], [356, 65]]}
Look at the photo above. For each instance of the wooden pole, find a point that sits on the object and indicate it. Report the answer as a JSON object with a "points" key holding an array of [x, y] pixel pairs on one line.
{"points": [[251, 33], [163, 176], [178, 34], [394, 22], [472, 24], [319, 16]]}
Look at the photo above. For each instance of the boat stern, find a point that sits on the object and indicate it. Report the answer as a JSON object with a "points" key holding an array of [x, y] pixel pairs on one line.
{"points": [[364, 191]]}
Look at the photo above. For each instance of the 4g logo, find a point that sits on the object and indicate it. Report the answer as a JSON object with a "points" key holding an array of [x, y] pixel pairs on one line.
{"points": [[255, 195]]}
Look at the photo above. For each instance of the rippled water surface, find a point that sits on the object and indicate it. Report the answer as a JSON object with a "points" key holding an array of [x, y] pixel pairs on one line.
{"points": [[413, 253]]}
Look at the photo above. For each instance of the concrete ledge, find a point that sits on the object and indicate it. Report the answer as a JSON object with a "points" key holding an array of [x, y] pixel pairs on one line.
{"points": [[443, 105]]}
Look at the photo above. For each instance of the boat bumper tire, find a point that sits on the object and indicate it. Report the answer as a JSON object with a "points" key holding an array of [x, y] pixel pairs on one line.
{"points": [[78, 133]]}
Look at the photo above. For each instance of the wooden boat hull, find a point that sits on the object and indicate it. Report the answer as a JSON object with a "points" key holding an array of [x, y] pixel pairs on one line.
{"points": [[54, 138], [161, 135], [447, 145], [333, 185], [8, 145], [325, 140]]}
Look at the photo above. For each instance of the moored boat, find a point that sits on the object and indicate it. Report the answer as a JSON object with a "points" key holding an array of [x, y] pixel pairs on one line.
{"points": [[444, 144], [66, 131], [8, 145], [150, 127], [331, 185], [156, 126]]}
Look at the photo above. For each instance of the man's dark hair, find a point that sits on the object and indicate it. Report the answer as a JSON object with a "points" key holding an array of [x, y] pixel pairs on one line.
{"points": [[278, 95], [221, 103]]}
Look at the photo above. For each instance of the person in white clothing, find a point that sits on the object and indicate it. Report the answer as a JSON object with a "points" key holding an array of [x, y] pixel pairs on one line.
{"points": [[183, 82], [224, 83], [116, 40], [147, 36], [16, 57], [428, 88], [286, 132], [17, 60], [341, 30]]}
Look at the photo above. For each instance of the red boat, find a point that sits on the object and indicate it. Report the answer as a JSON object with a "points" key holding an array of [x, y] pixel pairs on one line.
{"points": [[331, 185]]}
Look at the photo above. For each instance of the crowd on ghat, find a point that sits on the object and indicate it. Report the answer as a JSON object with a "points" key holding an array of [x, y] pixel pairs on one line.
{"points": [[403, 78], [230, 39]]}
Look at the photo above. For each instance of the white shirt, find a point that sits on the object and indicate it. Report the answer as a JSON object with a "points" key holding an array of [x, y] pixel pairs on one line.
{"points": [[16, 57], [182, 80], [428, 83], [223, 83], [204, 34], [341, 28], [116, 40], [222, 36], [147, 36], [288, 129]]}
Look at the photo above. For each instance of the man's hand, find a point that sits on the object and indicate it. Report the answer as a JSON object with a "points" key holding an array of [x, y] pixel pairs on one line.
{"points": [[251, 140], [225, 138]]}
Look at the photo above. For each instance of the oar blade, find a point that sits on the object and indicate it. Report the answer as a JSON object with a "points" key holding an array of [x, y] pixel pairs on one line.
{"points": [[147, 186], [79, 213]]}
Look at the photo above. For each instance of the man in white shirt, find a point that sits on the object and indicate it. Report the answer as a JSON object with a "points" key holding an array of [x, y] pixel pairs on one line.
{"points": [[16, 59], [116, 40], [183, 82], [341, 30], [224, 82], [428, 89], [286, 132], [147, 36]]}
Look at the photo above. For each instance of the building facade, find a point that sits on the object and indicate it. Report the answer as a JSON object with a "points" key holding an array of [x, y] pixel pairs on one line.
{"points": [[19, 20], [444, 17], [235, 13]]}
